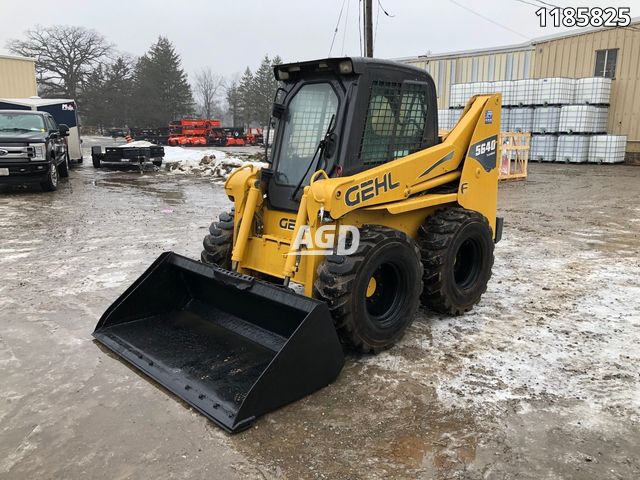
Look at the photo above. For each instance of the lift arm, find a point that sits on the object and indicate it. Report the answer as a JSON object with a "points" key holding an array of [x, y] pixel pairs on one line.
{"points": [[469, 152]]}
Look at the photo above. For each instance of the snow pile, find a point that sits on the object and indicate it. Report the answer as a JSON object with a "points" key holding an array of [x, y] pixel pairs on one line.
{"points": [[137, 143], [205, 162]]}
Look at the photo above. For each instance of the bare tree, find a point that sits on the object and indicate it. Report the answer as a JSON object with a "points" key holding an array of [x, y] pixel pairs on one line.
{"points": [[207, 86], [65, 56]]}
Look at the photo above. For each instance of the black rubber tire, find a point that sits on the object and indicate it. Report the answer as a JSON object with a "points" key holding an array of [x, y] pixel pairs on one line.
{"points": [[51, 183], [457, 253], [63, 168], [157, 163], [370, 325], [218, 244]]}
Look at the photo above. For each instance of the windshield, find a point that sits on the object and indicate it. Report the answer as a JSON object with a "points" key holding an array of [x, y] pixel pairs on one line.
{"points": [[307, 120], [27, 122]]}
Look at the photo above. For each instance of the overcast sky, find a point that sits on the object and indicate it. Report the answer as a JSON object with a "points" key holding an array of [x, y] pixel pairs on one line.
{"points": [[230, 35]]}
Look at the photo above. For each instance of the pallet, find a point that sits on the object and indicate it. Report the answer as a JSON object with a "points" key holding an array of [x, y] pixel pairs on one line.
{"points": [[514, 155]]}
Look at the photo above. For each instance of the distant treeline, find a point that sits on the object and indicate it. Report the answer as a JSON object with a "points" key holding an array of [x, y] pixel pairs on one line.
{"points": [[118, 90]]}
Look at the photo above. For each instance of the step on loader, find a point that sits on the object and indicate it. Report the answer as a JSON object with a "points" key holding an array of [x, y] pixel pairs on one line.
{"points": [[363, 207]]}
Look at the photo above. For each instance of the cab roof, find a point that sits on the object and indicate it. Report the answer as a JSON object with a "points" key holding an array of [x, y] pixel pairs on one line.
{"points": [[30, 112], [343, 66]]}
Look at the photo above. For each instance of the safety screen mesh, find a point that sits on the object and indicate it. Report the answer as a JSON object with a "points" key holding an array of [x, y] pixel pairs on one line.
{"points": [[413, 114], [311, 112], [395, 122], [309, 115]]}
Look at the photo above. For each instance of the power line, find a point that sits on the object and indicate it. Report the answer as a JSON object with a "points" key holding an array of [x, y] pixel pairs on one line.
{"points": [[547, 4], [385, 12], [335, 32], [380, 7], [375, 32], [360, 24], [464, 7], [346, 24], [528, 3]]}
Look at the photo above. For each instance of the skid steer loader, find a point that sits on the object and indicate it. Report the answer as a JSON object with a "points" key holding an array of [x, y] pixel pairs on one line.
{"points": [[362, 206]]}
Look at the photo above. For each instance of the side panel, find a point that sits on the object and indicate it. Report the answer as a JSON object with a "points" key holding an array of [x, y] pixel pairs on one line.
{"points": [[12, 106], [478, 188]]}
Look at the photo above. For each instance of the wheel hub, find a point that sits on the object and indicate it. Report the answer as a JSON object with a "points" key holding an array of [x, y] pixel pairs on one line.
{"points": [[371, 288], [53, 173], [383, 293]]}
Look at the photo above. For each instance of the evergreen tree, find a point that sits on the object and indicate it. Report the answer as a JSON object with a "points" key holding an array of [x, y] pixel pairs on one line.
{"points": [[247, 94], [109, 93], [233, 101], [249, 100], [162, 92], [265, 86]]}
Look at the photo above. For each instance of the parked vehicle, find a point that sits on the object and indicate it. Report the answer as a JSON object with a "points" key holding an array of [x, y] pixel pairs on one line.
{"points": [[124, 156], [33, 149], [356, 153], [63, 110], [159, 135], [116, 133]]}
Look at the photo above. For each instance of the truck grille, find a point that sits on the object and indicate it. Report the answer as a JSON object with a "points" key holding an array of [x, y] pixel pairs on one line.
{"points": [[15, 152]]}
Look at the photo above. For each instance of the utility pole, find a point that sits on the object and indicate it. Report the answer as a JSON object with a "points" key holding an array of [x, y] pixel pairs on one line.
{"points": [[368, 29]]}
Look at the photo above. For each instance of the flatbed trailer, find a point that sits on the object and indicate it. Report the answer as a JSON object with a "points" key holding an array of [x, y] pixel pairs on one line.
{"points": [[124, 156]]}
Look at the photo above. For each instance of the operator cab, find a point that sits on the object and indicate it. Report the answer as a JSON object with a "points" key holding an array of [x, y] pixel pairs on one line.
{"points": [[343, 116]]}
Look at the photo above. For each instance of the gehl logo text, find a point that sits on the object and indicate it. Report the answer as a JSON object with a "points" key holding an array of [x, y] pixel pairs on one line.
{"points": [[288, 223], [369, 189]]}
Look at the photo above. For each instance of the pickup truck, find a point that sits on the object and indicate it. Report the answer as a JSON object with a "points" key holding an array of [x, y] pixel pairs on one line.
{"points": [[33, 149]]}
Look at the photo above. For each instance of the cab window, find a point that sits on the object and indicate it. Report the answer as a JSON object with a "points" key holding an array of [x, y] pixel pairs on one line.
{"points": [[51, 123], [395, 123], [308, 117]]}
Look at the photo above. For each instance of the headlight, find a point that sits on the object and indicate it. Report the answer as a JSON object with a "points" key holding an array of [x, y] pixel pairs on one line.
{"points": [[346, 67], [38, 151]]}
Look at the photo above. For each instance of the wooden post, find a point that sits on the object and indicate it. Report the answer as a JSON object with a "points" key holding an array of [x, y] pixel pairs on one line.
{"points": [[368, 29]]}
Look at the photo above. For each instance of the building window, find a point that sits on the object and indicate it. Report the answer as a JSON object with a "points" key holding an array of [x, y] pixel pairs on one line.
{"points": [[606, 63]]}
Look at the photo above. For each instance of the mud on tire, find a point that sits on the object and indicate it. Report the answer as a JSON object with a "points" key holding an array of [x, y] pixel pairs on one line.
{"points": [[218, 244], [457, 254], [372, 315]]}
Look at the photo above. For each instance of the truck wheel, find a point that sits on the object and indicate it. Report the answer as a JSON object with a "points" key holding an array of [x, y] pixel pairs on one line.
{"points": [[51, 183], [219, 243], [157, 163], [457, 254], [96, 153], [63, 168], [374, 293]]}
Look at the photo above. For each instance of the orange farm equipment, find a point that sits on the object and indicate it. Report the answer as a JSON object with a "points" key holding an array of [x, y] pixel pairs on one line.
{"points": [[191, 132], [236, 136]]}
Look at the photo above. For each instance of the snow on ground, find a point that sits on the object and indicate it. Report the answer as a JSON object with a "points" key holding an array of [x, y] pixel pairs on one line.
{"points": [[188, 160], [206, 162]]}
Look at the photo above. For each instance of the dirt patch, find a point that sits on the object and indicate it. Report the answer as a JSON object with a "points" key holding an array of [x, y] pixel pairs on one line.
{"points": [[541, 380]]}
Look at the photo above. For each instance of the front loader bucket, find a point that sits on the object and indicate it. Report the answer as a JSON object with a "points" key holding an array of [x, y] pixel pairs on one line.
{"points": [[229, 345]]}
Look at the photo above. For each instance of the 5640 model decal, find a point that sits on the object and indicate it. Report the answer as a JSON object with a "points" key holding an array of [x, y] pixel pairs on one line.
{"points": [[485, 152]]}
